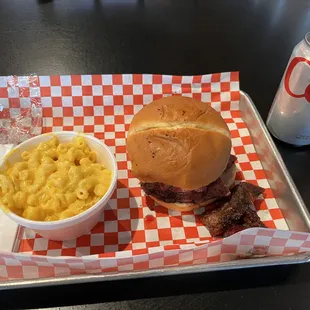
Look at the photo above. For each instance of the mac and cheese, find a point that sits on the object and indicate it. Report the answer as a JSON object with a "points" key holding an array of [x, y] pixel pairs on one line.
{"points": [[54, 181]]}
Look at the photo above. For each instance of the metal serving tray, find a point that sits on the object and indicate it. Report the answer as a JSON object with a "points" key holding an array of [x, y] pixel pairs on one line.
{"points": [[285, 192]]}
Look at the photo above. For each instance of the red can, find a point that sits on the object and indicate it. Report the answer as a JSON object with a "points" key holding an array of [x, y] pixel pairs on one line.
{"points": [[289, 116]]}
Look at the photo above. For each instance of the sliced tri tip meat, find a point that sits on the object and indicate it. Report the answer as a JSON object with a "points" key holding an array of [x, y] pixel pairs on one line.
{"points": [[253, 190], [251, 219], [171, 194], [234, 214]]}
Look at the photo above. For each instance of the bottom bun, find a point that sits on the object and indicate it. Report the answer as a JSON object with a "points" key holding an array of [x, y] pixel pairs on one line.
{"points": [[228, 178], [176, 206]]}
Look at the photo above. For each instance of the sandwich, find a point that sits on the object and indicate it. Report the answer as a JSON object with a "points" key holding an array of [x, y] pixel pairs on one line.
{"points": [[179, 149]]}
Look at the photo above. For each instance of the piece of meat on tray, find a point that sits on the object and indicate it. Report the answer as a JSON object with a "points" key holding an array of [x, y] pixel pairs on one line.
{"points": [[253, 190], [233, 230], [220, 219], [233, 214], [250, 219]]}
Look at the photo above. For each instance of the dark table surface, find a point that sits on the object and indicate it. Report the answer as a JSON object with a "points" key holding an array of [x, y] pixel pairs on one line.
{"points": [[255, 37]]}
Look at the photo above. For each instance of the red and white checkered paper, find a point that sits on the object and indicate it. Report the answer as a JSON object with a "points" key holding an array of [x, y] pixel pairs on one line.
{"points": [[126, 239]]}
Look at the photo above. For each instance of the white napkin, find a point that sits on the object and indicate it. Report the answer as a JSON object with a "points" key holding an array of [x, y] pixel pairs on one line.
{"points": [[8, 228]]}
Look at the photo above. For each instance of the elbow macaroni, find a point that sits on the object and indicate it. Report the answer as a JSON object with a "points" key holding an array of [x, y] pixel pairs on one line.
{"points": [[54, 181]]}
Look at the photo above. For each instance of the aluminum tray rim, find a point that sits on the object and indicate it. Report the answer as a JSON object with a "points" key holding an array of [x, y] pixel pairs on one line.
{"points": [[297, 196], [168, 271]]}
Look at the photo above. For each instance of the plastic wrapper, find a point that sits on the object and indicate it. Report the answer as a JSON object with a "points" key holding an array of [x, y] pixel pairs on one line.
{"points": [[20, 108]]}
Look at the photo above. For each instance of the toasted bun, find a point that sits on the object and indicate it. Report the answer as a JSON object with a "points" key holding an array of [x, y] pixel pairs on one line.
{"points": [[178, 141], [228, 177]]}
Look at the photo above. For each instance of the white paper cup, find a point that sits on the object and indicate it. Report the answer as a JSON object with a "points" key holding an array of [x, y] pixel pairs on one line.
{"points": [[82, 223]]}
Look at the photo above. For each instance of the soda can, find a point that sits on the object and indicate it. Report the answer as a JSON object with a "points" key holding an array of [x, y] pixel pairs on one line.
{"points": [[289, 116]]}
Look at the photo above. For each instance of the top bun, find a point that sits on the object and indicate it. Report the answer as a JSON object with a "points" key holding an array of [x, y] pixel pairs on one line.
{"points": [[178, 141]]}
